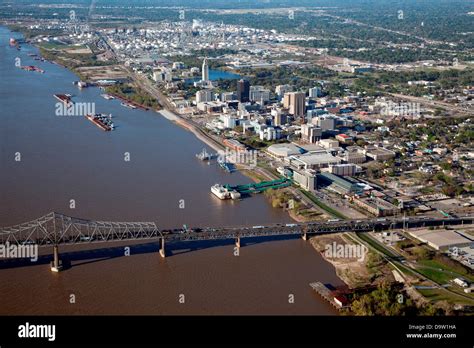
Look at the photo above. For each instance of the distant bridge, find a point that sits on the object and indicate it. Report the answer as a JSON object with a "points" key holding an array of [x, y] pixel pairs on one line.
{"points": [[55, 229]]}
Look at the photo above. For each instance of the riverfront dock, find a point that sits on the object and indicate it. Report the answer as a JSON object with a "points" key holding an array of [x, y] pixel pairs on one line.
{"points": [[260, 186], [339, 301], [227, 166], [129, 103], [236, 191], [206, 156]]}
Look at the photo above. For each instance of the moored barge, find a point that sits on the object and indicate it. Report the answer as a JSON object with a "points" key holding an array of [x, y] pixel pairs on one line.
{"points": [[65, 98], [102, 121]]}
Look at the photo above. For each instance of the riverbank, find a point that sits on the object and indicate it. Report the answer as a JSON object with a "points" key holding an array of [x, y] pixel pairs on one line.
{"points": [[197, 132], [133, 96], [356, 272]]}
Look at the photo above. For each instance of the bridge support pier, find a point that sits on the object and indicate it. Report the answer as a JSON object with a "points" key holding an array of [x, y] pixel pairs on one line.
{"points": [[56, 264], [304, 236], [162, 248], [237, 242]]}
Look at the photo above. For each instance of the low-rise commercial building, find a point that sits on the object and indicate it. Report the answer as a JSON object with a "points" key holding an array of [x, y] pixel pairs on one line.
{"points": [[441, 239], [306, 179], [340, 185], [345, 139], [379, 153], [353, 157], [377, 206], [211, 107], [329, 143], [313, 160], [234, 144], [347, 169]]}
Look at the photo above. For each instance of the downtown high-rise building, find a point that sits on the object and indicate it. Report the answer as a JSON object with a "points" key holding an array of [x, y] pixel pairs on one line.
{"points": [[325, 122], [205, 70], [243, 91], [259, 94], [315, 92], [295, 102], [280, 90], [310, 133], [204, 96], [279, 118]]}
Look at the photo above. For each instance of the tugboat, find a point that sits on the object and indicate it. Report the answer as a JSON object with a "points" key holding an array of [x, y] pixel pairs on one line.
{"points": [[81, 84], [107, 96], [65, 98], [32, 68], [130, 106]]}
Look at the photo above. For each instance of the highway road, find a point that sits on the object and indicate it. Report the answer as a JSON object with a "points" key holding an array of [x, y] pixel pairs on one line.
{"points": [[434, 104]]}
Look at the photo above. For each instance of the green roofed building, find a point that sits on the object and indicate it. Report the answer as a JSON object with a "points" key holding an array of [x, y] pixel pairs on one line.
{"points": [[340, 184]]}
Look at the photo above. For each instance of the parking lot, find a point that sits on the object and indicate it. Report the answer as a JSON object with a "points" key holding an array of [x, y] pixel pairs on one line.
{"points": [[465, 255]]}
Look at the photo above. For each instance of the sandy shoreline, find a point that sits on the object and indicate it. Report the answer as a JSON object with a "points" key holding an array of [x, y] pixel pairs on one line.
{"points": [[352, 271]]}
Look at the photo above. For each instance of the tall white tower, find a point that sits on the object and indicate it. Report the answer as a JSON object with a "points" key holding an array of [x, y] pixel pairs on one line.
{"points": [[205, 70]]}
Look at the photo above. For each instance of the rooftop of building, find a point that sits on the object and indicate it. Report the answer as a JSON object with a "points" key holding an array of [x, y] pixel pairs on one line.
{"points": [[379, 203], [345, 136], [316, 158], [441, 238], [335, 179], [312, 148], [285, 150]]}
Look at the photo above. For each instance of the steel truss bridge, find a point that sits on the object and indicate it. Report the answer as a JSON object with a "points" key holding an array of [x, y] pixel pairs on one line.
{"points": [[56, 229]]}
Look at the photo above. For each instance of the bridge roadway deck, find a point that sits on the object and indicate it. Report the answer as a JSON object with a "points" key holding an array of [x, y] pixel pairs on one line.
{"points": [[56, 229]]}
